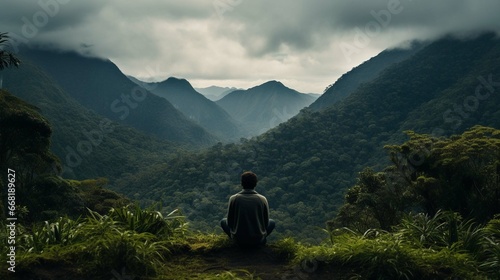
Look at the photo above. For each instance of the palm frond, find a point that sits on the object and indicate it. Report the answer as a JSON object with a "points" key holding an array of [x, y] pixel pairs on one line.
{"points": [[7, 59]]}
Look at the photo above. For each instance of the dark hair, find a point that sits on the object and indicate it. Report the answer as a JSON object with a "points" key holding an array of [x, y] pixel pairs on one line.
{"points": [[248, 180]]}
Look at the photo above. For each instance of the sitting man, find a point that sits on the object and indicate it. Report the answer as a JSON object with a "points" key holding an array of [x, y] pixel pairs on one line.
{"points": [[248, 220]]}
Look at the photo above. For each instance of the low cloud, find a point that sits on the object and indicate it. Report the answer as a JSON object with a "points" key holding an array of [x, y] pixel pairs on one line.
{"points": [[306, 44]]}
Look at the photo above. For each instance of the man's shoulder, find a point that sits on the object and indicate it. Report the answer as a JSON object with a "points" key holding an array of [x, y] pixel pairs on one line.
{"points": [[263, 198], [259, 195], [247, 193]]}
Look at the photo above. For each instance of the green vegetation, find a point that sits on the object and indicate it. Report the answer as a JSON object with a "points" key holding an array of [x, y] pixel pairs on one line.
{"points": [[25, 147], [93, 246], [99, 247], [263, 107], [198, 108], [428, 209], [7, 59], [306, 164], [128, 241], [429, 174], [412, 241], [24, 141], [420, 248], [432, 214], [100, 86], [87, 144], [363, 73]]}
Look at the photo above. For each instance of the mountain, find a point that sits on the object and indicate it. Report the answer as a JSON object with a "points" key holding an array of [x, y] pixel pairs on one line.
{"points": [[265, 106], [314, 95], [215, 93], [100, 86], [196, 107], [88, 144], [305, 164], [363, 73]]}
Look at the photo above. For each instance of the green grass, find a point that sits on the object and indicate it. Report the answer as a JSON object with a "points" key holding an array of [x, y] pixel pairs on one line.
{"points": [[387, 258], [421, 247], [157, 246]]}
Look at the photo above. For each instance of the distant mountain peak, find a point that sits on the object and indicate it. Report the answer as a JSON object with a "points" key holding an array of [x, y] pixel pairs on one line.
{"points": [[175, 79], [179, 82], [99, 85], [197, 108], [273, 83], [264, 106], [215, 93]]}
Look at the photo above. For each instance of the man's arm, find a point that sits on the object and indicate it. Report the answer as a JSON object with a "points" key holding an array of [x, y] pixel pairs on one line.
{"points": [[230, 213], [266, 211]]}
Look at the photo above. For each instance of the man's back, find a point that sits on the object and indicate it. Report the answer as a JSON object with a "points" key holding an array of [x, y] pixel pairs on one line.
{"points": [[247, 219], [248, 216]]}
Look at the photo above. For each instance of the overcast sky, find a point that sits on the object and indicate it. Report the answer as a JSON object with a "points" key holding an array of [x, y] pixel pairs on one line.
{"points": [[306, 44]]}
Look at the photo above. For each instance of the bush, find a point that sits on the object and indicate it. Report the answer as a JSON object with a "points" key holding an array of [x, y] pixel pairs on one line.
{"points": [[134, 239], [383, 255]]}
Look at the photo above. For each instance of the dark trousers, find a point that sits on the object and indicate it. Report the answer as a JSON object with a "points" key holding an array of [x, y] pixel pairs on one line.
{"points": [[270, 227]]}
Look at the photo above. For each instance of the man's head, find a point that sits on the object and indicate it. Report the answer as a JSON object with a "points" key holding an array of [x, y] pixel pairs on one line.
{"points": [[248, 180]]}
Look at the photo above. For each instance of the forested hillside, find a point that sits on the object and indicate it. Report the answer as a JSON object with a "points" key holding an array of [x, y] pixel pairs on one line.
{"points": [[25, 154], [100, 86], [428, 175], [263, 107], [306, 164], [363, 73], [456, 233], [88, 144]]}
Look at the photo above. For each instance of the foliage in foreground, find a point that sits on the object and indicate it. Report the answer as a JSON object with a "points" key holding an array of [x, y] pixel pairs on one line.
{"points": [[453, 185], [98, 245], [422, 247], [428, 174], [135, 242]]}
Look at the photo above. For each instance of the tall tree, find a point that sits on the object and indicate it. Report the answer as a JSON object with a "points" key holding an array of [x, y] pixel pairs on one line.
{"points": [[7, 59]]}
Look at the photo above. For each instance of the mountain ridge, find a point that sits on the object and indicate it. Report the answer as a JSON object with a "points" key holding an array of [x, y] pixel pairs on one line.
{"points": [[196, 107], [363, 73], [89, 145], [264, 106], [215, 93], [100, 86]]}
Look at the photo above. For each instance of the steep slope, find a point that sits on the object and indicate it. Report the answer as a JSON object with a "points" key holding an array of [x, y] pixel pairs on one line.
{"points": [[363, 73], [100, 86], [305, 164], [88, 145], [215, 93], [197, 107], [265, 106]]}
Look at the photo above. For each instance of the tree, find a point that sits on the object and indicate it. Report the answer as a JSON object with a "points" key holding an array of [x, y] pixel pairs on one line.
{"points": [[24, 144], [459, 174], [374, 202], [7, 59]]}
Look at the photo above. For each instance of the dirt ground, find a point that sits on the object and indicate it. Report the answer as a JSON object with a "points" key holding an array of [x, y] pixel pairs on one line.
{"points": [[256, 263], [262, 263]]}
